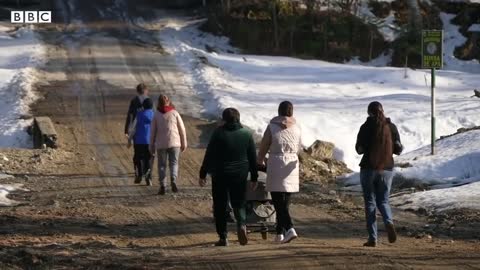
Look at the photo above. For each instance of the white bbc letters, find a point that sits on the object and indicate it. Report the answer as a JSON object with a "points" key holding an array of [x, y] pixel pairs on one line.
{"points": [[44, 16], [31, 17], [16, 17]]}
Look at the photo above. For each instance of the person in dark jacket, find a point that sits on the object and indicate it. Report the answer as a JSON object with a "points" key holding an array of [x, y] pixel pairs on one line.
{"points": [[230, 156], [136, 105], [378, 139], [142, 139]]}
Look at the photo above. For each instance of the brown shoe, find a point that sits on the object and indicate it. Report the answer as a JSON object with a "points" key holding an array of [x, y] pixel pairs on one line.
{"points": [[370, 244], [392, 234], [242, 235]]}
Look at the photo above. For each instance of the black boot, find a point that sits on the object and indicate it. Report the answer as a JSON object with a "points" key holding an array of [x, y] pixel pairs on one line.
{"points": [[174, 187], [138, 179], [242, 235], [162, 190], [148, 178]]}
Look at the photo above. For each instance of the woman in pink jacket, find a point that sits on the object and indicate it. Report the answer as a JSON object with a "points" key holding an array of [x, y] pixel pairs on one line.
{"points": [[168, 139], [282, 142]]}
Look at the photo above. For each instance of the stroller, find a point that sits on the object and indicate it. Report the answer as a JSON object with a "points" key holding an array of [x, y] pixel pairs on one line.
{"points": [[261, 216]]}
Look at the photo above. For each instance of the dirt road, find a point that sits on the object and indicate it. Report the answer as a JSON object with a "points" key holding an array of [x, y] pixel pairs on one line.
{"points": [[86, 213]]}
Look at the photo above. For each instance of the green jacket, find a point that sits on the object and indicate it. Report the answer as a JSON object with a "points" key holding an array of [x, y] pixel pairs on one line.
{"points": [[231, 150]]}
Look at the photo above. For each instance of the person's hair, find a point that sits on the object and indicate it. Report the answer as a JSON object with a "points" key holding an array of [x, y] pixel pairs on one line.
{"points": [[147, 104], [163, 101], [141, 88], [375, 110], [231, 116], [381, 149], [285, 109]]}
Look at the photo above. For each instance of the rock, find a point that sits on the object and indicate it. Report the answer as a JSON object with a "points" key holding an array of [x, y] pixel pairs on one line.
{"points": [[332, 192], [99, 224], [318, 164], [4, 158], [321, 149], [93, 158], [28, 257], [54, 203]]}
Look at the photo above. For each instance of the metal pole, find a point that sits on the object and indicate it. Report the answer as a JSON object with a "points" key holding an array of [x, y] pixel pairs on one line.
{"points": [[433, 111]]}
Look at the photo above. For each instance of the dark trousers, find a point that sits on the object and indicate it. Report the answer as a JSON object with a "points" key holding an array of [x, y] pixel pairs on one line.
{"points": [[141, 159], [281, 201], [227, 187]]}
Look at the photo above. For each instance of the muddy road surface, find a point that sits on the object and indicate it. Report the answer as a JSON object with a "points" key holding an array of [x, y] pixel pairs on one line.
{"points": [[84, 212]]}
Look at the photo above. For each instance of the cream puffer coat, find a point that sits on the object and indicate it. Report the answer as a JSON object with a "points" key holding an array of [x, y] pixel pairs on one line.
{"points": [[167, 131], [282, 141]]}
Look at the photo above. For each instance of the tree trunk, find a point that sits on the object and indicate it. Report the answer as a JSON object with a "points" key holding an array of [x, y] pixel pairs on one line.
{"points": [[275, 26], [292, 34], [370, 54], [406, 67]]}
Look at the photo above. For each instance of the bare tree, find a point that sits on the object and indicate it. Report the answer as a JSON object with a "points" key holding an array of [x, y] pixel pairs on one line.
{"points": [[347, 6], [226, 6]]}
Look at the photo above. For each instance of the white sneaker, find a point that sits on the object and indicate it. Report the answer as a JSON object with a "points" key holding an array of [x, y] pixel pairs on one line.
{"points": [[279, 238], [289, 236]]}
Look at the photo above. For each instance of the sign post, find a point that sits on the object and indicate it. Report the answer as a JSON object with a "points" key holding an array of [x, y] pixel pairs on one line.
{"points": [[432, 58]]}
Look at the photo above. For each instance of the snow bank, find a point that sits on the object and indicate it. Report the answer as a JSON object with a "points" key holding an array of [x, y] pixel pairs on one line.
{"points": [[330, 99], [457, 161], [438, 200], [20, 52]]}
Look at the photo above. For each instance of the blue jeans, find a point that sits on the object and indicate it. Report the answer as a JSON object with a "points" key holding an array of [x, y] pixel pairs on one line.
{"points": [[376, 187], [171, 156]]}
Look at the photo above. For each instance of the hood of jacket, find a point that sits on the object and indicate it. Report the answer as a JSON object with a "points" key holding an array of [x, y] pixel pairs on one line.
{"points": [[166, 109], [284, 121], [232, 126]]}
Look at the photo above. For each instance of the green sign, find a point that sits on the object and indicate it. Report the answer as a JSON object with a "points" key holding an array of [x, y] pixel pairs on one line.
{"points": [[432, 49]]}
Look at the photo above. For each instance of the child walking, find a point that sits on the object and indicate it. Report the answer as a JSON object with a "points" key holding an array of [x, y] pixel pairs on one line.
{"points": [[168, 138], [141, 139]]}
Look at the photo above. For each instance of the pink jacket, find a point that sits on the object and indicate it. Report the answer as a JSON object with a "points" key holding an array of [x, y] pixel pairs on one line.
{"points": [[168, 131]]}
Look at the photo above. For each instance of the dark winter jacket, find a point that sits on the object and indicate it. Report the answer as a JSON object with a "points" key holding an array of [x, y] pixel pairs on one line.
{"points": [[231, 151], [365, 141], [142, 130], [136, 104]]}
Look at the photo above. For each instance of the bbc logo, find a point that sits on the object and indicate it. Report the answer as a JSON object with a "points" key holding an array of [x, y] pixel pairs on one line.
{"points": [[31, 17]]}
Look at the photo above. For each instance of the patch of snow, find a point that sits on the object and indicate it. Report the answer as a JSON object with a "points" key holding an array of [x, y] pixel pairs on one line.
{"points": [[385, 59], [19, 56], [330, 99], [5, 190], [453, 39], [474, 27], [386, 26], [5, 176]]}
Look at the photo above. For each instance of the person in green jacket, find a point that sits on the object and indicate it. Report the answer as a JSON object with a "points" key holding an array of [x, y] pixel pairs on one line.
{"points": [[230, 156]]}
